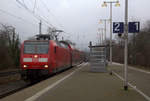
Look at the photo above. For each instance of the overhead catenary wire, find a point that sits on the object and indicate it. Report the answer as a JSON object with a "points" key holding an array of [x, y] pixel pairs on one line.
{"points": [[50, 12], [30, 2], [24, 3], [34, 14], [35, 1], [43, 18], [39, 17], [17, 17]]}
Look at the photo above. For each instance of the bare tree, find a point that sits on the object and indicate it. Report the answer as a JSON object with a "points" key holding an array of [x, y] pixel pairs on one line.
{"points": [[9, 47], [138, 48]]}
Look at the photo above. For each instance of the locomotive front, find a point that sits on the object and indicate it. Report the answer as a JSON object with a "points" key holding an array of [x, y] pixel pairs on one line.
{"points": [[35, 58]]}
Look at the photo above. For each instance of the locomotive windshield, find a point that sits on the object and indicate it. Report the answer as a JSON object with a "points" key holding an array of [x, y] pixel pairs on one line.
{"points": [[36, 47]]}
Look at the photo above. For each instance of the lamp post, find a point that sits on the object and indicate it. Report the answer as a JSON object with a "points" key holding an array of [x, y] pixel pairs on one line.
{"points": [[126, 47], [105, 22], [100, 30], [40, 27], [105, 5]]}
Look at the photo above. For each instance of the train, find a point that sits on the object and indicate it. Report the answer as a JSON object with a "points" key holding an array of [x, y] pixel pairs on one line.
{"points": [[46, 57]]}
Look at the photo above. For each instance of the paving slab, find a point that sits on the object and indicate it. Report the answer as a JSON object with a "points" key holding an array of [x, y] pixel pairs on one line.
{"points": [[83, 85], [87, 86], [137, 78]]}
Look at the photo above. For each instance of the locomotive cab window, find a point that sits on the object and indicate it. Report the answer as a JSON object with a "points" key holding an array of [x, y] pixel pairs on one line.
{"points": [[64, 45], [36, 47]]}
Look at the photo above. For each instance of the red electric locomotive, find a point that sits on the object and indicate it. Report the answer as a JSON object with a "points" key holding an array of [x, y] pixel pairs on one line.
{"points": [[42, 57]]}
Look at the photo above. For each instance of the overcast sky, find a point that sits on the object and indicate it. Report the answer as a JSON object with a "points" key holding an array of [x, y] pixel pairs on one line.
{"points": [[78, 18]]}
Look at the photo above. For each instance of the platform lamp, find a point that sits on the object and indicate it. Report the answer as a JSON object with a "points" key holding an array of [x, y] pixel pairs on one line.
{"points": [[105, 5]]}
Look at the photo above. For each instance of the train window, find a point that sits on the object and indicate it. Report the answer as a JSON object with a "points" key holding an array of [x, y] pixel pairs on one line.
{"points": [[58, 44], [36, 47], [64, 45]]}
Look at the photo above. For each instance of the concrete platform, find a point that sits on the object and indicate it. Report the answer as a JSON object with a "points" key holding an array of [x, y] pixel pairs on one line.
{"points": [[80, 85]]}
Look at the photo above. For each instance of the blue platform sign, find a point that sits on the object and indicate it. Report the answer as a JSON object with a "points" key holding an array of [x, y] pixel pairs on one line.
{"points": [[118, 27], [134, 27]]}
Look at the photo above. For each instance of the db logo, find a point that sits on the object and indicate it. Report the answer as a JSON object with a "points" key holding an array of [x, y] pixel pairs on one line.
{"points": [[35, 59]]}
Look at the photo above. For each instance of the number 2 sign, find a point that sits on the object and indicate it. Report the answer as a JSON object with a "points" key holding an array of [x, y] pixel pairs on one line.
{"points": [[118, 27]]}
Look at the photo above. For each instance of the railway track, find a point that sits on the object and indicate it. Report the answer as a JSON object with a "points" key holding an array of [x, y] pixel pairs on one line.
{"points": [[8, 73], [13, 87]]}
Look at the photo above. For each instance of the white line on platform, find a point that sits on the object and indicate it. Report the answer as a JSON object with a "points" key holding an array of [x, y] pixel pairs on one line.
{"points": [[37, 95], [83, 64], [140, 70], [136, 69], [134, 87], [80, 64], [117, 64]]}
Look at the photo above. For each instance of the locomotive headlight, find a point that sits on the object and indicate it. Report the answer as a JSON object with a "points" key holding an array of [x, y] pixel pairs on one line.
{"points": [[35, 56], [24, 66], [46, 66]]}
